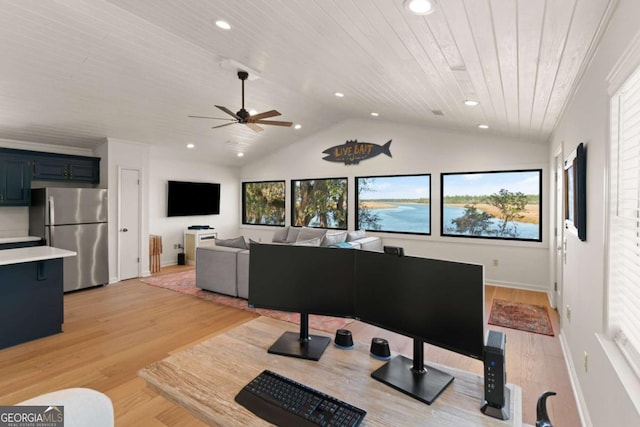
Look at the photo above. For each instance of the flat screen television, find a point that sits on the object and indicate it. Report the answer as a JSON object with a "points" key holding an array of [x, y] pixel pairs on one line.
{"points": [[192, 198], [312, 280]]}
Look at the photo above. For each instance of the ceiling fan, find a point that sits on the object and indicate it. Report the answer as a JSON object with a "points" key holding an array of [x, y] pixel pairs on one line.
{"points": [[243, 116]]}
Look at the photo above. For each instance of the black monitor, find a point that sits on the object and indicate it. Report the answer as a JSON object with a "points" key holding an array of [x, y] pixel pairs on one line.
{"points": [[433, 301], [306, 280]]}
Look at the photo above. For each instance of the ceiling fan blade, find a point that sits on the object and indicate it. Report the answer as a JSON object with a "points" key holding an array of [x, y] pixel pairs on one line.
{"points": [[229, 112], [264, 115], [226, 124], [212, 118], [274, 122], [254, 127]]}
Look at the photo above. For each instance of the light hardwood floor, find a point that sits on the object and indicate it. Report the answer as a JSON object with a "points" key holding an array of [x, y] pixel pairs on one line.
{"points": [[112, 332]]}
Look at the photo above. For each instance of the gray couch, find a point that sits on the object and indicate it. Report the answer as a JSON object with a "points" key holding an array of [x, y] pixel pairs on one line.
{"points": [[225, 269]]}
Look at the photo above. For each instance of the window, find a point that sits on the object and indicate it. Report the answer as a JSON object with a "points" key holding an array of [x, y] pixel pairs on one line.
{"points": [[319, 203], [624, 220], [263, 203], [394, 204], [492, 205]]}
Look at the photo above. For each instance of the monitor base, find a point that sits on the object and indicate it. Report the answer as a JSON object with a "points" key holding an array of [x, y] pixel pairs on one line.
{"points": [[290, 344], [425, 386]]}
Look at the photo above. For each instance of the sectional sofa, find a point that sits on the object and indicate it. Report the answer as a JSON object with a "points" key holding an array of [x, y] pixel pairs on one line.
{"points": [[224, 268]]}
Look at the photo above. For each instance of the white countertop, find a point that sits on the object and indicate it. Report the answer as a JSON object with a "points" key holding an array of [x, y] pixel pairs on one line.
{"points": [[35, 253], [18, 239]]}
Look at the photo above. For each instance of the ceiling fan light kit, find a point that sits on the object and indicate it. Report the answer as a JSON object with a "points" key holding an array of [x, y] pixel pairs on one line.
{"points": [[244, 117]]}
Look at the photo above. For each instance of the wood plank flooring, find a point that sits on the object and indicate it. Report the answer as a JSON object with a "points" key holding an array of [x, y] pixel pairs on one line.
{"points": [[112, 332]]}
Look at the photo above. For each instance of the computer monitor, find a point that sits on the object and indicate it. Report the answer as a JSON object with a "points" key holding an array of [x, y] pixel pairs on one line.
{"points": [[434, 301], [306, 280]]}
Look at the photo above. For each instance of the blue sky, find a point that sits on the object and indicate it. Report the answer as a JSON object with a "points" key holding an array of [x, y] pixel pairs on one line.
{"points": [[481, 184], [397, 187]]}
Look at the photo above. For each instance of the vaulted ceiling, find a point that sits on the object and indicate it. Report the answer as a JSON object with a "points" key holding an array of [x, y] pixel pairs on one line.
{"points": [[77, 71]]}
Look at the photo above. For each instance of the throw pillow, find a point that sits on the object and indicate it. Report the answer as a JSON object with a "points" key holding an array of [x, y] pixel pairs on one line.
{"points": [[280, 235], [311, 242], [292, 235], [331, 238], [254, 242], [237, 242], [307, 233], [355, 235]]}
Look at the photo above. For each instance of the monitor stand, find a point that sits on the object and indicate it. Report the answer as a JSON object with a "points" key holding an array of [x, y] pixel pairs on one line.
{"points": [[413, 377], [303, 345]]}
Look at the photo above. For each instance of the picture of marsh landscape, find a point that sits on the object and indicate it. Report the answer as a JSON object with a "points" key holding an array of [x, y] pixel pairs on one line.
{"points": [[501, 205], [399, 203]]}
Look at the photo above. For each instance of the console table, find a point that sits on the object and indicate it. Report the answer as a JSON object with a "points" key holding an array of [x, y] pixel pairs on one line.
{"points": [[205, 378], [195, 238]]}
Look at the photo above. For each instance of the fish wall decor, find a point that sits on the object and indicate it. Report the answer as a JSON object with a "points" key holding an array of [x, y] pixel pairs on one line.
{"points": [[353, 152]]}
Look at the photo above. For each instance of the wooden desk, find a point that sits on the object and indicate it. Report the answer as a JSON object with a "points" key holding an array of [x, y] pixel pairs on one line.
{"points": [[205, 378]]}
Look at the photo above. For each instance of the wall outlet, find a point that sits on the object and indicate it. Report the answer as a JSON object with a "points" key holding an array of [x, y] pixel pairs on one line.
{"points": [[495, 262], [568, 311], [176, 246], [586, 362]]}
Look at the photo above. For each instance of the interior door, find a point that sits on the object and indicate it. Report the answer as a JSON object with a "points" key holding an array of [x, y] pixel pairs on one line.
{"points": [[129, 224], [556, 292]]}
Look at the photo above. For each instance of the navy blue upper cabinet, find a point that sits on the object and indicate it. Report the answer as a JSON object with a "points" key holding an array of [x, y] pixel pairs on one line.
{"points": [[15, 181], [66, 168]]}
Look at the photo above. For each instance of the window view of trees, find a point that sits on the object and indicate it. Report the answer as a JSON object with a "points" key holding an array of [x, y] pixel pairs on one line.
{"points": [[263, 203], [320, 203], [396, 203], [504, 205]]}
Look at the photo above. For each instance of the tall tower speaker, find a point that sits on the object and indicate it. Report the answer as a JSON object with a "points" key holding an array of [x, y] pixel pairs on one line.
{"points": [[496, 394]]}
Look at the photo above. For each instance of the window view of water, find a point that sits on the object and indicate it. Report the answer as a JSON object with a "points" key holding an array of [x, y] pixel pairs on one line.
{"points": [[522, 230], [403, 217]]}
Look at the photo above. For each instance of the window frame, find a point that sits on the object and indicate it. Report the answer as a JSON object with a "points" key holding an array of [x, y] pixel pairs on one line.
{"points": [[244, 202], [294, 203]]}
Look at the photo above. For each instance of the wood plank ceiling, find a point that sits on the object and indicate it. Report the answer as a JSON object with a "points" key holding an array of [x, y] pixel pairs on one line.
{"points": [[76, 71]]}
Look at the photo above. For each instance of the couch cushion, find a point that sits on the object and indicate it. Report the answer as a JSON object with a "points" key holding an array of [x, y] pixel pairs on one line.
{"points": [[307, 233], [355, 235], [311, 242], [280, 235], [292, 235], [334, 237], [236, 242]]}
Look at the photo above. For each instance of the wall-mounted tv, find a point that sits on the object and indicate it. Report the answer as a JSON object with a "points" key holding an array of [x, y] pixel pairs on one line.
{"points": [[192, 198]]}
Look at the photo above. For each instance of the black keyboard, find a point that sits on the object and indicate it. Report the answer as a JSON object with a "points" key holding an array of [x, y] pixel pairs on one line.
{"points": [[285, 402]]}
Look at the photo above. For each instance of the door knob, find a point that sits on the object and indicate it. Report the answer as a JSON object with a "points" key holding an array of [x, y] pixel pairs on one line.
{"points": [[124, 230]]}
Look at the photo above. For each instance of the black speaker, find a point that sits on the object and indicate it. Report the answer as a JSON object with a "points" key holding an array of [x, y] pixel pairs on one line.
{"points": [[393, 250], [181, 259], [496, 394]]}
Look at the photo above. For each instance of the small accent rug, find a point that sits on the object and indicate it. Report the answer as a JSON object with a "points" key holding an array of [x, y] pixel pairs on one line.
{"points": [[524, 317], [185, 283]]}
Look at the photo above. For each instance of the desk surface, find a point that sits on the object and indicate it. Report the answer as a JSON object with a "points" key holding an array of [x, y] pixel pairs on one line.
{"points": [[205, 378]]}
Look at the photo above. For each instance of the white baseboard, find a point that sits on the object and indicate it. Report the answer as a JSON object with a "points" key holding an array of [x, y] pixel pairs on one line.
{"points": [[525, 286], [575, 384]]}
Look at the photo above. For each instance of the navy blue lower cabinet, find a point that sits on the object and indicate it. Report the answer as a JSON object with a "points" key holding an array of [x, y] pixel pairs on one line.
{"points": [[31, 301]]}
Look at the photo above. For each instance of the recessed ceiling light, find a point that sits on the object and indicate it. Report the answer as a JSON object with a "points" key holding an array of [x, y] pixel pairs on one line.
{"points": [[471, 102], [190, 145], [374, 114], [240, 154], [483, 126], [420, 7], [253, 112], [297, 126], [223, 24], [339, 94]]}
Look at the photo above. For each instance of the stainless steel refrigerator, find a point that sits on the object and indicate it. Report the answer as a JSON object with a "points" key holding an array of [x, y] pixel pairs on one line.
{"points": [[74, 219]]}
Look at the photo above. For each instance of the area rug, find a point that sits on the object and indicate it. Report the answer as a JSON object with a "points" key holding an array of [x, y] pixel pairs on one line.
{"points": [[185, 283], [524, 317]]}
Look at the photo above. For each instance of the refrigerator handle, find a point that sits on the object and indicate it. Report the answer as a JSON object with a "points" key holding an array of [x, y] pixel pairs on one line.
{"points": [[51, 211]]}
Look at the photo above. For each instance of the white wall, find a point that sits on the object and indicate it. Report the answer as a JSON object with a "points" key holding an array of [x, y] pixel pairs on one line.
{"points": [[603, 398], [165, 168], [421, 150]]}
